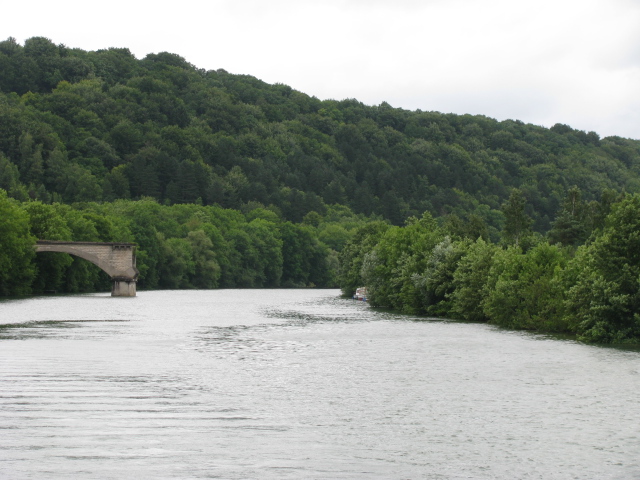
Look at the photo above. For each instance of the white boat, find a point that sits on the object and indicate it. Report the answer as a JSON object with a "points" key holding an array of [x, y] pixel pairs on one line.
{"points": [[361, 294]]}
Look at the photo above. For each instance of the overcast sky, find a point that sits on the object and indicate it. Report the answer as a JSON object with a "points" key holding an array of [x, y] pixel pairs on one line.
{"points": [[543, 62]]}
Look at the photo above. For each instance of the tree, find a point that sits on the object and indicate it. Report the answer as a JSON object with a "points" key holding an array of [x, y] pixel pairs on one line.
{"points": [[31, 164], [603, 299], [335, 236], [10, 179], [80, 185], [16, 249], [524, 289], [352, 255], [569, 227], [517, 222], [296, 261], [470, 281], [390, 268], [47, 58], [177, 264], [436, 281], [206, 269], [46, 223], [267, 244]]}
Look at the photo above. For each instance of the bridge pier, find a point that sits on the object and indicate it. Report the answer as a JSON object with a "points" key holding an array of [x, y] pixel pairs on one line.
{"points": [[123, 287]]}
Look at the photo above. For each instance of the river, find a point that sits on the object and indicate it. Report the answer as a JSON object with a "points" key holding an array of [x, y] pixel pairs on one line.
{"points": [[297, 384]]}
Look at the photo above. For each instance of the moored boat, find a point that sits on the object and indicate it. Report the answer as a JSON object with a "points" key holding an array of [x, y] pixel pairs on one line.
{"points": [[361, 294]]}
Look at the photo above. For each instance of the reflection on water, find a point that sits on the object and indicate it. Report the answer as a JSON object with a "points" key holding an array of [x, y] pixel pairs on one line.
{"points": [[300, 384]]}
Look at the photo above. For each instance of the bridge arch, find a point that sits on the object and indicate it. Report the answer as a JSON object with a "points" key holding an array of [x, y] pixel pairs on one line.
{"points": [[118, 260]]}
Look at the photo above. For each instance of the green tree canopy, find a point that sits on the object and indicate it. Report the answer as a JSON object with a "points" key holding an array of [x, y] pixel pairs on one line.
{"points": [[16, 248]]}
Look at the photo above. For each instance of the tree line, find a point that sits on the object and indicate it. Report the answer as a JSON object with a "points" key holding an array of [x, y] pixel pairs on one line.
{"points": [[179, 246], [582, 278]]}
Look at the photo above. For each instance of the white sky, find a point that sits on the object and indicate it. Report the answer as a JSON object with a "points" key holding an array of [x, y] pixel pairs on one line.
{"points": [[544, 62]]}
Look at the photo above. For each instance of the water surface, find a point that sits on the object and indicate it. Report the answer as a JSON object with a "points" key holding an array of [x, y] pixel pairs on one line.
{"points": [[301, 384]]}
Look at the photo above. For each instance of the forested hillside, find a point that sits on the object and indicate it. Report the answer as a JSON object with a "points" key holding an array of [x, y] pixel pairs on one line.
{"points": [[78, 126]]}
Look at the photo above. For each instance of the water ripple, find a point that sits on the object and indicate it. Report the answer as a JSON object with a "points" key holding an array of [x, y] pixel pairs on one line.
{"points": [[302, 384]]}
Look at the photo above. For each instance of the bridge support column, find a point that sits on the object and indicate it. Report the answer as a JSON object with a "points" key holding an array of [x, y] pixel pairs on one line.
{"points": [[123, 287]]}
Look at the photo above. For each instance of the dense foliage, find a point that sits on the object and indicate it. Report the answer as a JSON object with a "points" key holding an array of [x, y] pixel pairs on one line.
{"points": [[179, 246], [78, 126], [526, 282]]}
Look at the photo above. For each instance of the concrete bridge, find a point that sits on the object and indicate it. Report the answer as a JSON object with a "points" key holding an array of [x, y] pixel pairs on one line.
{"points": [[117, 259]]}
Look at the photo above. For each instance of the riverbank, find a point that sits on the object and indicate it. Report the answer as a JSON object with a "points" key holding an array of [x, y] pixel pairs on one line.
{"points": [[591, 291]]}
